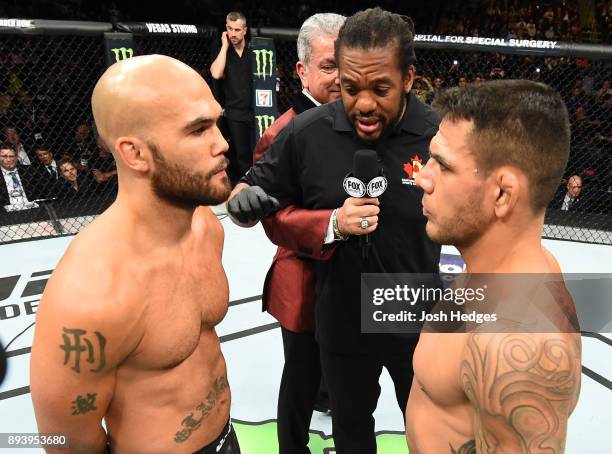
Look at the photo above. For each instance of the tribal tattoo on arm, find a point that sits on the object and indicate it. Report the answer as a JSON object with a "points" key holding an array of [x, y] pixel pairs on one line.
{"points": [[466, 448], [523, 388], [191, 423]]}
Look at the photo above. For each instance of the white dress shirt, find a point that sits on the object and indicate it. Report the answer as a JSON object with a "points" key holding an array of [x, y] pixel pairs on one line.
{"points": [[17, 196]]}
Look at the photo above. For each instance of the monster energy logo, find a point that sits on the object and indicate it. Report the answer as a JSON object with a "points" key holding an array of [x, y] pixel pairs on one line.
{"points": [[263, 59], [264, 122], [122, 53]]}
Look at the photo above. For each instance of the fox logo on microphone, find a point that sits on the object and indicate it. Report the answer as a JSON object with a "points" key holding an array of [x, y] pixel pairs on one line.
{"points": [[354, 187], [377, 186]]}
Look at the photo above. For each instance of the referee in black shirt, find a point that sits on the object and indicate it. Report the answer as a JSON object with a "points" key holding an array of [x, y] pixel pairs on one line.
{"points": [[232, 68], [306, 166]]}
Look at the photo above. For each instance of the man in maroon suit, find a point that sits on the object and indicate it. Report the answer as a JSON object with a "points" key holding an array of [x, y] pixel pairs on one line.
{"points": [[290, 283]]}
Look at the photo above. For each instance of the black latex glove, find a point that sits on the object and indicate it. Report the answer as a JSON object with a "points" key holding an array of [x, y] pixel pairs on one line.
{"points": [[251, 204]]}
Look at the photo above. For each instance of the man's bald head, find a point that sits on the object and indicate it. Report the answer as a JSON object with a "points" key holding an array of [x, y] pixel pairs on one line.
{"points": [[133, 95], [159, 118]]}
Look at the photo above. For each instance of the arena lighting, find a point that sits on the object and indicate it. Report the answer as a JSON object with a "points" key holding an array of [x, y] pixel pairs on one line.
{"points": [[537, 70], [455, 62]]}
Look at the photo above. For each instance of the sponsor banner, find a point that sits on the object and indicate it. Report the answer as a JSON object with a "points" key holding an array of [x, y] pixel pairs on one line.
{"points": [[16, 23], [119, 46], [263, 98], [264, 83], [483, 41], [163, 28]]}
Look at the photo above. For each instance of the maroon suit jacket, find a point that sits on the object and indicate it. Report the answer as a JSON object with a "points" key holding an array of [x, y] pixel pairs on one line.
{"points": [[289, 288]]}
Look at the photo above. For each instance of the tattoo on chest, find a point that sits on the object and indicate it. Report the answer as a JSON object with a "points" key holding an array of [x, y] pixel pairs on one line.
{"points": [[84, 404], [194, 420], [466, 448], [77, 344]]}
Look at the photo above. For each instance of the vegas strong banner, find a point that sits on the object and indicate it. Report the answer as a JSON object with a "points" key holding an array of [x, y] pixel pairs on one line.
{"points": [[264, 83]]}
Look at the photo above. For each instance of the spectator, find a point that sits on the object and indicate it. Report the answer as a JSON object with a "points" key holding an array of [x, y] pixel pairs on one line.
{"points": [[569, 199], [423, 89], [12, 136], [45, 160], [497, 72], [76, 185], [531, 29], [45, 173], [83, 144], [17, 185], [6, 109], [438, 85], [104, 171], [232, 68]]}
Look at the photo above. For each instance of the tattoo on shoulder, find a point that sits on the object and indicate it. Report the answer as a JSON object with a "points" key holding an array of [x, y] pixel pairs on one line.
{"points": [[84, 404], [466, 448], [194, 419], [523, 388], [78, 343]]}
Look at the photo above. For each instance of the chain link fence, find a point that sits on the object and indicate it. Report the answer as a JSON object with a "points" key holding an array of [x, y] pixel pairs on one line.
{"points": [[58, 176], [63, 177]]}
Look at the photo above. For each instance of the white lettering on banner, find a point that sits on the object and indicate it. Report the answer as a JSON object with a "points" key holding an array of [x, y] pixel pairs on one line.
{"points": [[171, 28], [529, 43], [16, 23]]}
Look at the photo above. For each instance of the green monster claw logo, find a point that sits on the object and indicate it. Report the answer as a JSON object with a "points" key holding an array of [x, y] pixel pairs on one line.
{"points": [[261, 438], [264, 59], [122, 53], [264, 122]]}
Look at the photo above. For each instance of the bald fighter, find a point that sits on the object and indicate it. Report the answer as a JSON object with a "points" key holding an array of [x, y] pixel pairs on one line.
{"points": [[125, 330], [495, 163]]}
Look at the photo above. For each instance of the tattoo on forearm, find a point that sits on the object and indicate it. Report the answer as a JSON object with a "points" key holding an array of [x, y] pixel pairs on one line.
{"points": [[466, 448], [191, 422], [82, 405], [523, 389], [77, 343]]}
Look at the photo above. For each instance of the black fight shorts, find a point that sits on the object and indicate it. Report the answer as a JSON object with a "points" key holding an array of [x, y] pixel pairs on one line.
{"points": [[226, 443]]}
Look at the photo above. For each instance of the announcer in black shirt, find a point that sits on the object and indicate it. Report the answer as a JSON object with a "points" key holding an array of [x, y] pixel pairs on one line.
{"points": [[306, 166]]}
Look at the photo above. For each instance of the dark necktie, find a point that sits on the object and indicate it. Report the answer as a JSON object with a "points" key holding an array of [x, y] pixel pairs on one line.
{"points": [[16, 182], [52, 171]]}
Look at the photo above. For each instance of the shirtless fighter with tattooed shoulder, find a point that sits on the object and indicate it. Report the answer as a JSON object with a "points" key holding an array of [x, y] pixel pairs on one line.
{"points": [[125, 331], [495, 164]]}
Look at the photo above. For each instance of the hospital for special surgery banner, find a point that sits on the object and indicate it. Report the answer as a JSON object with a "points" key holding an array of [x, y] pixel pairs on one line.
{"points": [[264, 83]]}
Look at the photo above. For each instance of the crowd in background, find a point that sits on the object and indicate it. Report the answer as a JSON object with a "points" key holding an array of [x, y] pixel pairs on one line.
{"points": [[546, 19], [44, 106]]}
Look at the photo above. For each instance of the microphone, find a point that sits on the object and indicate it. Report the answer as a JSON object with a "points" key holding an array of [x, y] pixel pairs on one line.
{"points": [[366, 179]]}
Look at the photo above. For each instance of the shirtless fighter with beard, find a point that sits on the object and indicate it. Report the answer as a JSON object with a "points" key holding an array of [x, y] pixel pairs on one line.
{"points": [[126, 327]]}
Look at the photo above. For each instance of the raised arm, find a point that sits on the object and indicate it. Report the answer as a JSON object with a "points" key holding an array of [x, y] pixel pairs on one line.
{"points": [[81, 337], [523, 388], [217, 67]]}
